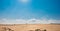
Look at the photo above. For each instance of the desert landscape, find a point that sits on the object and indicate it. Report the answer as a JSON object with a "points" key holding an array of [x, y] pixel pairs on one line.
{"points": [[30, 27]]}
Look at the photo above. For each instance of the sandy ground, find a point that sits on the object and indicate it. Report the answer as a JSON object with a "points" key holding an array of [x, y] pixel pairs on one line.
{"points": [[28, 27]]}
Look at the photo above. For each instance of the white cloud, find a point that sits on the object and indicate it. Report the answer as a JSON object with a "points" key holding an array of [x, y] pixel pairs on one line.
{"points": [[29, 21]]}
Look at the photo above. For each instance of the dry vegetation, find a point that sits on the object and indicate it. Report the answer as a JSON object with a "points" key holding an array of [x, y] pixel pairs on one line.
{"points": [[31, 27]]}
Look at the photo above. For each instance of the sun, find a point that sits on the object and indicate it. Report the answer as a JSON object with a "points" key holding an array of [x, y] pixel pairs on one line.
{"points": [[24, 1]]}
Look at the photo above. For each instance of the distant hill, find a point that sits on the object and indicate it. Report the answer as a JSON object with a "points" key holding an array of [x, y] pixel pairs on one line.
{"points": [[55, 23]]}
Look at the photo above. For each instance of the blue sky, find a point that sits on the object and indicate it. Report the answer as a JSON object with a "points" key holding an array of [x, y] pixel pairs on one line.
{"points": [[16, 9]]}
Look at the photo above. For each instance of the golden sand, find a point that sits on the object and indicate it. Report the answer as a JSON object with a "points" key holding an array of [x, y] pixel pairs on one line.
{"points": [[28, 27]]}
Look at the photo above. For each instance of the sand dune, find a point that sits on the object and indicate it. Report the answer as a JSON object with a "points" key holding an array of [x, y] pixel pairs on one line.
{"points": [[27, 27]]}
